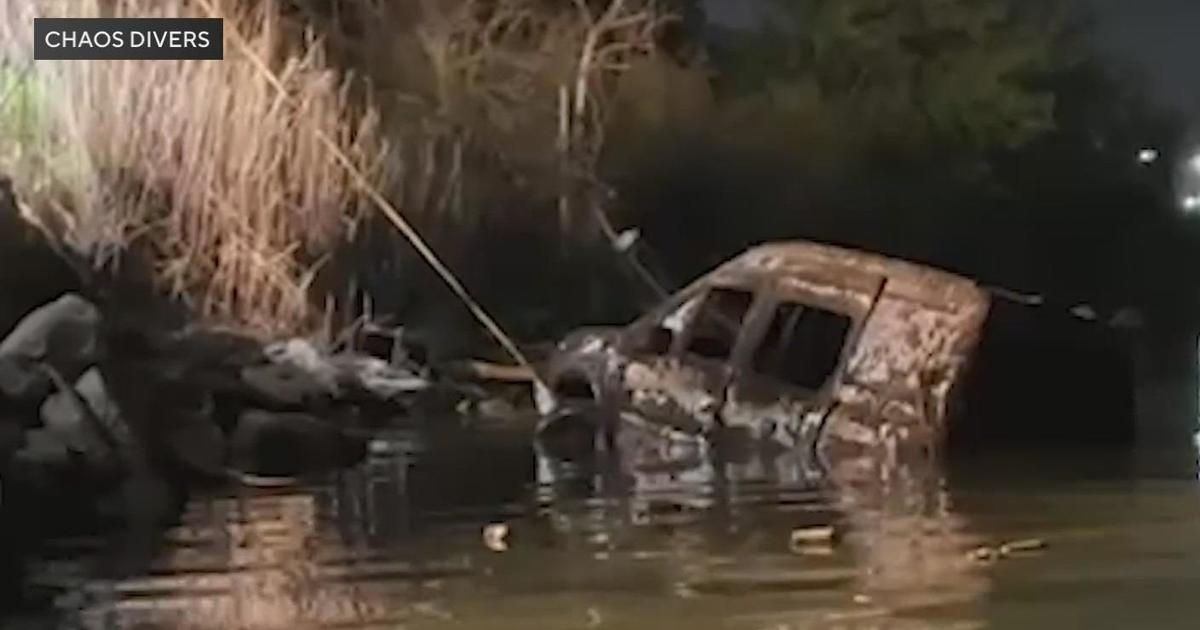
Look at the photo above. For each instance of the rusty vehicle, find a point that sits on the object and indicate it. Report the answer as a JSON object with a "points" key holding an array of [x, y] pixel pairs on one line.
{"points": [[796, 347]]}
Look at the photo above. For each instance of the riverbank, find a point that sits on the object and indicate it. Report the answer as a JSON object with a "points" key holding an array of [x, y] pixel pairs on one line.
{"points": [[113, 412], [104, 428]]}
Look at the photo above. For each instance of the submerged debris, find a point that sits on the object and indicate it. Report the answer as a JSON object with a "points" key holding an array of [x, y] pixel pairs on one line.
{"points": [[298, 371]]}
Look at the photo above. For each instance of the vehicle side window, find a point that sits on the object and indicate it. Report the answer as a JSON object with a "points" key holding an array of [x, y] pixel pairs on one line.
{"points": [[803, 345], [656, 338], [718, 323], [656, 341]]}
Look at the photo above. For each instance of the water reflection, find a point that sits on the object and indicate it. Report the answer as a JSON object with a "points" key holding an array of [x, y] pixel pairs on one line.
{"points": [[900, 549], [663, 534], [314, 557], [912, 548]]}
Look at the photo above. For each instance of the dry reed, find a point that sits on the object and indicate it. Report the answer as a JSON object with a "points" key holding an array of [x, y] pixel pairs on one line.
{"points": [[202, 163]]}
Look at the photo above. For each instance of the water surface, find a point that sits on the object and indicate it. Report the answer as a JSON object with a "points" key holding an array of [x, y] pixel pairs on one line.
{"points": [[457, 532]]}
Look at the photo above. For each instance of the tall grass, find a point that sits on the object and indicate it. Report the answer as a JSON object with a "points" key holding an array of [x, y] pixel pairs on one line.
{"points": [[202, 165]]}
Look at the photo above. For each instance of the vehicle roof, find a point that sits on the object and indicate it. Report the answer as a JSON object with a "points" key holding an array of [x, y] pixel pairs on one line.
{"points": [[860, 272]]}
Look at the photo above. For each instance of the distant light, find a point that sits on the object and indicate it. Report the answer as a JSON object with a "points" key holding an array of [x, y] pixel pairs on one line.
{"points": [[1195, 163], [1191, 203], [1148, 156]]}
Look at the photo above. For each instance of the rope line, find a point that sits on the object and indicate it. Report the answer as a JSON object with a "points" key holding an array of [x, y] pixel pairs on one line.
{"points": [[389, 210]]}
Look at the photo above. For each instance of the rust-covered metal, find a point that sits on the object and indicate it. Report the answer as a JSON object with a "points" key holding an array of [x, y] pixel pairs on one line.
{"points": [[817, 350]]}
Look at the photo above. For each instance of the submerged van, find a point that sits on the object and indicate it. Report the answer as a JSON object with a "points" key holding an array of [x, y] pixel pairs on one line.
{"points": [[852, 357]]}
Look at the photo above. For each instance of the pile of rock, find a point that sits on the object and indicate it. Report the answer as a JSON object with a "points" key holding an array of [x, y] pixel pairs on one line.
{"points": [[108, 417], [113, 413], [64, 436]]}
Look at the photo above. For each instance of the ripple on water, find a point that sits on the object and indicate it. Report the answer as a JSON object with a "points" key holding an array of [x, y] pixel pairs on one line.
{"points": [[392, 543]]}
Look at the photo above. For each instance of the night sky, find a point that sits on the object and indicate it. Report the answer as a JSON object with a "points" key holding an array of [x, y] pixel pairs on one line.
{"points": [[1159, 37]]}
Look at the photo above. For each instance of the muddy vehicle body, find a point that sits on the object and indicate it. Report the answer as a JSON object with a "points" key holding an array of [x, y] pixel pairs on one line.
{"points": [[842, 358]]}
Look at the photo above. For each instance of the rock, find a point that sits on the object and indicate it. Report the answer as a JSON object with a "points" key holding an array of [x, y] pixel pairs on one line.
{"points": [[90, 422], [213, 349], [298, 374], [304, 357], [12, 438], [64, 334], [288, 444], [283, 386], [93, 389], [64, 417], [376, 377], [43, 449], [35, 472], [22, 383]]}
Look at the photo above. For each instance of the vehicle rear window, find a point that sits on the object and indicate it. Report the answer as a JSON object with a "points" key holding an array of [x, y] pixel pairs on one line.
{"points": [[803, 345]]}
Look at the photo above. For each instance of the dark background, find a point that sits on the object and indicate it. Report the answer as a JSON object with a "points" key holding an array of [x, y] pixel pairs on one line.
{"points": [[1157, 36]]}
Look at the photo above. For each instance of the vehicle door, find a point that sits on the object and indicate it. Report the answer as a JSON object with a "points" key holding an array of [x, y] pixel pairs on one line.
{"points": [[787, 373], [679, 363]]}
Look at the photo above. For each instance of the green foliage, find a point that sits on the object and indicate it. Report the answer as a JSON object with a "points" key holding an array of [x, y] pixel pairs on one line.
{"points": [[32, 150], [20, 101], [912, 75]]}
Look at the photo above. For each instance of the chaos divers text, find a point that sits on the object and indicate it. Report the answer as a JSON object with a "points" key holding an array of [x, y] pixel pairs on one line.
{"points": [[128, 38]]}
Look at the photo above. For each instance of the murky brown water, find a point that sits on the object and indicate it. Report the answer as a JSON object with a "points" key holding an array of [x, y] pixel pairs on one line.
{"points": [[399, 543]]}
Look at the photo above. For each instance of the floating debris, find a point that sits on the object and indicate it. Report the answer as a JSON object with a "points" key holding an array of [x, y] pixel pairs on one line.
{"points": [[1027, 545], [1017, 547], [812, 540], [983, 554], [495, 537], [813, 534]]}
